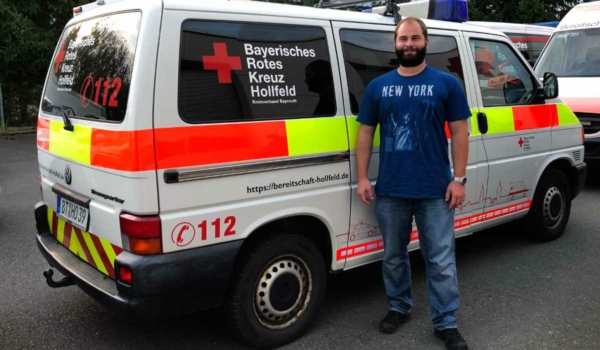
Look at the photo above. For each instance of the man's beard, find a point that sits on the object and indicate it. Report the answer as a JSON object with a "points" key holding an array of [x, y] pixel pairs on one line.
{"points": [[414, 60]]}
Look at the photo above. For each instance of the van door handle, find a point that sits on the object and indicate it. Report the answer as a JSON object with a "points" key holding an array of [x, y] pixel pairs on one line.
{"points": [[482, 122]]}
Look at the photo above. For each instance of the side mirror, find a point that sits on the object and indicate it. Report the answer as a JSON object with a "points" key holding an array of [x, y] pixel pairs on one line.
{"points": [[550, 85]]}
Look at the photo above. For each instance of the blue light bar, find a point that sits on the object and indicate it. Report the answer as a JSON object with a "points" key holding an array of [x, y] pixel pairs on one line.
{"points": [[448, 10]]}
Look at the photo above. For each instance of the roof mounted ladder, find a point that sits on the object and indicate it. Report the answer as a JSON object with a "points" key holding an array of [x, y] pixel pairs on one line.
{"points": [[391, 8]]}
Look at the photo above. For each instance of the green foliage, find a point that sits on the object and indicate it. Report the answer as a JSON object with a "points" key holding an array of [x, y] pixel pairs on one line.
{"points": [[519, 11], [29, 31]]}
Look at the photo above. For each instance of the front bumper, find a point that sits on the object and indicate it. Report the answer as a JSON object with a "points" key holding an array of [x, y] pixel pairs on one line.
{"points": [[582, 170], [592, 151], [163, 285]]}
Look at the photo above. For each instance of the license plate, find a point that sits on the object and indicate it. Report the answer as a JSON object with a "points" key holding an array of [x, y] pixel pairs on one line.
{"points": [[74, 213]]}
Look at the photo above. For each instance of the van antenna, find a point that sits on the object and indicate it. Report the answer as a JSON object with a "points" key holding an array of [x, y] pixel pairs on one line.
{"points": [[391, 8]]}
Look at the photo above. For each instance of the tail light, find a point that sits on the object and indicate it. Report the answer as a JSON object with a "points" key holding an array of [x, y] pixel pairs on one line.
{"points": [[141, 234], [125, 275]]}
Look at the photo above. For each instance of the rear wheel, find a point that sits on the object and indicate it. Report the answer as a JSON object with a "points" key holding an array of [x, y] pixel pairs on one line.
{"points": [[276, 291], [551, 207]]}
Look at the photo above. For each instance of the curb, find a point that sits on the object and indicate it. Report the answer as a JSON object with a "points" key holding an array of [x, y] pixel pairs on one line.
{"points": [[12, 133]]}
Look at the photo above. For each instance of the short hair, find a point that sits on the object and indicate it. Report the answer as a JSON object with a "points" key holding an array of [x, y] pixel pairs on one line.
{"points": [[411, 19]]}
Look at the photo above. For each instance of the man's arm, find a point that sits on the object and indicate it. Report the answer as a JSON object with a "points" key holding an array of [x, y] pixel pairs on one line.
{"points": [[364, 148], [460, 154], [460, 146]]}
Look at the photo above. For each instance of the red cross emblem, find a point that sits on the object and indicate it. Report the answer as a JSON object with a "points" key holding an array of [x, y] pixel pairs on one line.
{"points": [[222, 63], [59, 58], [520, 142]]}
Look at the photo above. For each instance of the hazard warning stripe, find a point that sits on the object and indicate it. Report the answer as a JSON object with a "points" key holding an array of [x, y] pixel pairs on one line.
{"points": [[90, 248], [213, 144], [377, 245]]}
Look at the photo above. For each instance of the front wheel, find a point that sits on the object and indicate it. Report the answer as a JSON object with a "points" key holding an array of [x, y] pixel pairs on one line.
{"points": [[551, 207], [276, 291]]}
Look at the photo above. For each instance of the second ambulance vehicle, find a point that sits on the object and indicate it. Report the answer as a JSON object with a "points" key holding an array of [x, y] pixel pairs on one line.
{"points": [[573, 54], [202, 153]]}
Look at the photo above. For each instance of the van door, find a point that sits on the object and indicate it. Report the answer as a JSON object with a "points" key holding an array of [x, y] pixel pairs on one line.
{"points": [[368, 52], [249, 127], [518, 136]]}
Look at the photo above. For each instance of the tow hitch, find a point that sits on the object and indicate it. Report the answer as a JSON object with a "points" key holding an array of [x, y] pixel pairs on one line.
{"points": [[65, 282]]}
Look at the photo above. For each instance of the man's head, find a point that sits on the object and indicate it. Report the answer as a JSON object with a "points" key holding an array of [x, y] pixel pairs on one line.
{"points": [[317, 75], [411, 41]]}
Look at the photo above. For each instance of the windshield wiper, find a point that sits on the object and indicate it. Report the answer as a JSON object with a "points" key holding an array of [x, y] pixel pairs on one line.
{"points": [[68, 125]]}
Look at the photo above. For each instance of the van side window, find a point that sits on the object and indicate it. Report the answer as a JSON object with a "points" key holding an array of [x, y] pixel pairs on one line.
{"points": [[247, 71], [537, 43], [369, 54], [503, 78]]}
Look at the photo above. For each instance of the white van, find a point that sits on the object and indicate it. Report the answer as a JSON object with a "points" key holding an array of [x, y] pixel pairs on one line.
{"points": [[202, 153], [529, 39], [573, 54]]}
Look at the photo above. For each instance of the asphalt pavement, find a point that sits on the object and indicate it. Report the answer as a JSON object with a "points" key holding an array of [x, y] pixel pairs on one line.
{"points": [[515, 294]]}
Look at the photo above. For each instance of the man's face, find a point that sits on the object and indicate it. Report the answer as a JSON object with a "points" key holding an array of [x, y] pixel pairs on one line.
{"points": [[411, 46], [311, 79]]}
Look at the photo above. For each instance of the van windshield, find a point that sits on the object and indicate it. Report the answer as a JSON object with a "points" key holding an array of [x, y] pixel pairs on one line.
{"points": [[91, 71], [574, 53]]}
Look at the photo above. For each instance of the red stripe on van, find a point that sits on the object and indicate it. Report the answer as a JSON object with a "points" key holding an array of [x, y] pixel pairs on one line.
{"points": [[43, 133], [533, 117], [214, 144], [123, 150]]}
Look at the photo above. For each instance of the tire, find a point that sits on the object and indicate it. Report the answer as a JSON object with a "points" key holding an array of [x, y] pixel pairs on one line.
{"points": [[276, 291], [551, 207]]}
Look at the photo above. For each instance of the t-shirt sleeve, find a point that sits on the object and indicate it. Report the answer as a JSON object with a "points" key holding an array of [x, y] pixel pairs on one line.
{"points": [[367, 113], [457, 106]]}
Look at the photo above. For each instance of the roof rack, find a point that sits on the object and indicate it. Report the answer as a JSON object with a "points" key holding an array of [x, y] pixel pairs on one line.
{"points": [[391, 8]]}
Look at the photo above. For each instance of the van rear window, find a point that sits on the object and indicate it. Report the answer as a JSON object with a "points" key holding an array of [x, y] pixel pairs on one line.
{"points": [[249, 71], [91, 71]]}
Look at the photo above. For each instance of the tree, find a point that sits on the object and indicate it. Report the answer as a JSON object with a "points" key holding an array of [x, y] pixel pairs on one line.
{"points": [[29, 31], [519, 11]]}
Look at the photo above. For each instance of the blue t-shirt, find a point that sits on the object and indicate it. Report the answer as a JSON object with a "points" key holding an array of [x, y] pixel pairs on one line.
{"points": [[412, 111]]}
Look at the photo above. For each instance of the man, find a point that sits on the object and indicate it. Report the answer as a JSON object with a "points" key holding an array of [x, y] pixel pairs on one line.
{"points": [[412, 105]]}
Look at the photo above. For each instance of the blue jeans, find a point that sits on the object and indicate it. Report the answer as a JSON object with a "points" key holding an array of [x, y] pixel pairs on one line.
{"points": [[435, 223]]}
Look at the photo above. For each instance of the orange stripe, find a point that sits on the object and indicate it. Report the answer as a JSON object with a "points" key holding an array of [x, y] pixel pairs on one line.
{"points": [[103, 256], [123, 150], [582, 104], [375, 246], [86, 249], [67, 238], [534, 117], [43, 133], [214, 144]]}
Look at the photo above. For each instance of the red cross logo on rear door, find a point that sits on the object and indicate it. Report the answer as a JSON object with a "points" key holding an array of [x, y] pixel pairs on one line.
{"points": [[520, 142], [60, 57], [222, 63]]}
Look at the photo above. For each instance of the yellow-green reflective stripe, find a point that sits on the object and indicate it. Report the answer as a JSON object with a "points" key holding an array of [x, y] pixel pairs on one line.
{"points": [[94, 252], [500, 120], [74, 145], [110, 252], [353, 126], [566, 115], [319, 135]]}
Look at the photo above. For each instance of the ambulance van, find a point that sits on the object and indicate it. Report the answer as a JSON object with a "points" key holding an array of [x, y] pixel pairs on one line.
{"points": [[195, 154], [573, 54]]}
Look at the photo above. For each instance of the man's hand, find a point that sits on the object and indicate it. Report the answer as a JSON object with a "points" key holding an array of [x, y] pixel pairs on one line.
{"points": [[455, 193], [365, 191]]}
